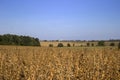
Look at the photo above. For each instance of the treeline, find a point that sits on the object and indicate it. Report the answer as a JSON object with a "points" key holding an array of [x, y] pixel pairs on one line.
{"points": [[10, 39]]}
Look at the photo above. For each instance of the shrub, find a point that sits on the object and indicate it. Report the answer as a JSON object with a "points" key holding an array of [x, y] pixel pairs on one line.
{"points": [[60, 45], [119, 45], [101, 43], [112, 44], [68, 45], [88, 44], [92, 44], [50, 45]]}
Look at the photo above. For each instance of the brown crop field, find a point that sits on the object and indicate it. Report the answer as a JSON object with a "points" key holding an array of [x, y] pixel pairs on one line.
{"points": [[52, 63], [76, 44]]}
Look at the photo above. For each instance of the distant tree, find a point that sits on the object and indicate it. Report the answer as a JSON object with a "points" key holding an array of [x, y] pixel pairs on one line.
{"points": [[101, 43], [119, 45], [0, 38], [36, 42], [88, 44], [50, 45], [10, 39], [60, 45], [112, 44], [92, 44], [57, 40], [45, 40], [68, 45]]}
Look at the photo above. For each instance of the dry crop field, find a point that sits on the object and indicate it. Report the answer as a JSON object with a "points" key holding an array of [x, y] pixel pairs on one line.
{"points": [[76, 44], [55, 44], [45, 63]]}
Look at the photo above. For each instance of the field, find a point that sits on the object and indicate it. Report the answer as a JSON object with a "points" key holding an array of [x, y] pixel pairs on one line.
{"points": [[52, 63], [76, 44]]}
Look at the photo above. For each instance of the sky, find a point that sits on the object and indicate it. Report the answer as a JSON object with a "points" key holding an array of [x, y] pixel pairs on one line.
{"points": [[61, 19]]}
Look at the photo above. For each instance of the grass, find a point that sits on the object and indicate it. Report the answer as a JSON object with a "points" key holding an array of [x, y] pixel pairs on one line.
{"points": [[52, 63]]}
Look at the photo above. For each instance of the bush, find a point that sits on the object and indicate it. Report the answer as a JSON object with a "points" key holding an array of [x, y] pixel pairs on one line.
{"points": [[50, 45], [68, 45], [101, 43], [92, 44], [88, 44], [119, 45], [60, 45], [112, 44]]}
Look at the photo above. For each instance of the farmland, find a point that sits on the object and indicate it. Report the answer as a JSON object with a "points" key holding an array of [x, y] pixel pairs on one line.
{"points": [[53, 63], [75, 43]]}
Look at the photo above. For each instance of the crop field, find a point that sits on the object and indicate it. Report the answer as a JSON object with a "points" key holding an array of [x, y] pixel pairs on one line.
{"points": [[76, 44], [53, 63]]}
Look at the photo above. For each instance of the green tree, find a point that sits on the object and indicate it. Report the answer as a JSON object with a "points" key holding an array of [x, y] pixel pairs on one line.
{"points": [[112, 44], [68, 45], [37, 42], [101, 43], [9, 39], [60, 45], [119, 45], [0, 38], [88, 44], [50, 45], [92, 44]]}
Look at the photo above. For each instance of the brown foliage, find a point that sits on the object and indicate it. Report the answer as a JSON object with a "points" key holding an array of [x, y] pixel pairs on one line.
{"points": [[45, 63]]}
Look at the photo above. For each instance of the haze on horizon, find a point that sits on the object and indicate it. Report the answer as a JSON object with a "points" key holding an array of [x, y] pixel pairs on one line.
{"points": [[61, 19]]}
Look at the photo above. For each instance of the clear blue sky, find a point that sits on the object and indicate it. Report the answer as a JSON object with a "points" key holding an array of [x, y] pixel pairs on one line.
{"points": [[61, 19]]}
